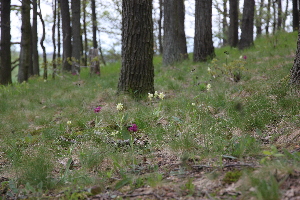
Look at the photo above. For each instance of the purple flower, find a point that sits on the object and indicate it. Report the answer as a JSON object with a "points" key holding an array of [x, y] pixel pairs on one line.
{"points": [[245, 57], [97, 109], [133, 128]]}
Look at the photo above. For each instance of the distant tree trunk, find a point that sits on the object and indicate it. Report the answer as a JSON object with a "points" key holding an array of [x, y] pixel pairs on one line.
{"points": [[225, 24], [137, 72], [95, 45], [285, 14], [45, 65], [259, 18], [279, 15], [160, 27], [174, 43], [295, 15], [35, 53], [234, 23], [85, 46], [268, 17], [58, 31], [5, 52], [203, 44], [54, 5], [247, 25], [25, 52], [274, 17], [66, 29], [75, 7]]}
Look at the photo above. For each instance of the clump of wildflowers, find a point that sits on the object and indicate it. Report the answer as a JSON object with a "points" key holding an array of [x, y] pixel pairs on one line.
{"points": [[97, 109], [208, 87], [160, 95], [133, 128], [69, 123], [120, 106]]}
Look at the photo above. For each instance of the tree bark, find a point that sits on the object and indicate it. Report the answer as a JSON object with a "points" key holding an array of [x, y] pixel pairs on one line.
{"points": [[35, 53], [137, 71], [25, 52], [279, 15], [45, 65], [160, 27], [75, 6], [295, 15], [234, 23], [54, 61], [268, 17], [66, 29], [295, 71], [247, 25], [85, 43], [96, 68], [174, 43], [203, 44], [5, 53], [259, 18]]}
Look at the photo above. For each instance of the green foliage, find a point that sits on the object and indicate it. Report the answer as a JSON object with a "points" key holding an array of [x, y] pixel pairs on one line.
{"points": [[52, 138]]}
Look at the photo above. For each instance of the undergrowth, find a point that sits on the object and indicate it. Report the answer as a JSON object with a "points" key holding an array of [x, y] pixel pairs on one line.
{"points": [[75, 132]]}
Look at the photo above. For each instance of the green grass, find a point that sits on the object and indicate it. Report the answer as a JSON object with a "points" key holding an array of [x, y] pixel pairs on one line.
{"points": [[237, 118]]}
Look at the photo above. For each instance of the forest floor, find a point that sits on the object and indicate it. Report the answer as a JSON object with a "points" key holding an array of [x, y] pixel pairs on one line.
{"points": [[224, 129]]}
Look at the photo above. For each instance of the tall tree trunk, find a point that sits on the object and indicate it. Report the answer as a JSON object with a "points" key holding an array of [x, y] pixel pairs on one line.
{"points": [[137, 72], [274, 17], [58, 30], [54, 61], [295, 15], [5, 53], [96, 67], [76, 36], [203, 44], [279, 15], [225, 24], [160, 27], [295, 71], [25, 52], [234, 23], [247, 25], [66, 29], [45, 65], [174, 43], [285, 14], [35, 53], [268, 17], [85, 46], [259, 18]]}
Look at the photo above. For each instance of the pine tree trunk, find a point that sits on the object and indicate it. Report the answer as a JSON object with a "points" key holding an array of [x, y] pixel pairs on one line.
{"points": [[203, 44], [137, 72], [5, 53]]}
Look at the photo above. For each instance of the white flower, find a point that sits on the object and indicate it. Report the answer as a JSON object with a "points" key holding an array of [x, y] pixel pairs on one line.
{"points": [[114, 133], [241, 57], [150, 96], [155, 94], [161, 95], [208, 87], [120, 106], [193, 104], [69, 122], [208, 69]]}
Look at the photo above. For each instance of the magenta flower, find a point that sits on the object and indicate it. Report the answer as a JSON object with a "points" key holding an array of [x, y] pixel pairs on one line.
{"points": [[133, 128], [97, 109], [245, 57]]}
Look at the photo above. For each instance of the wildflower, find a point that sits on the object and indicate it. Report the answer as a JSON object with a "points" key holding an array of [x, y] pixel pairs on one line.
{"points": [[245, 57], [120, 106], [193, 104], [114, 133], [161, 95], [97, 109], [241, 57], [208, 69], [155, 94], [69, 122], [150, 96], [133, 128], [208, 87]]}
